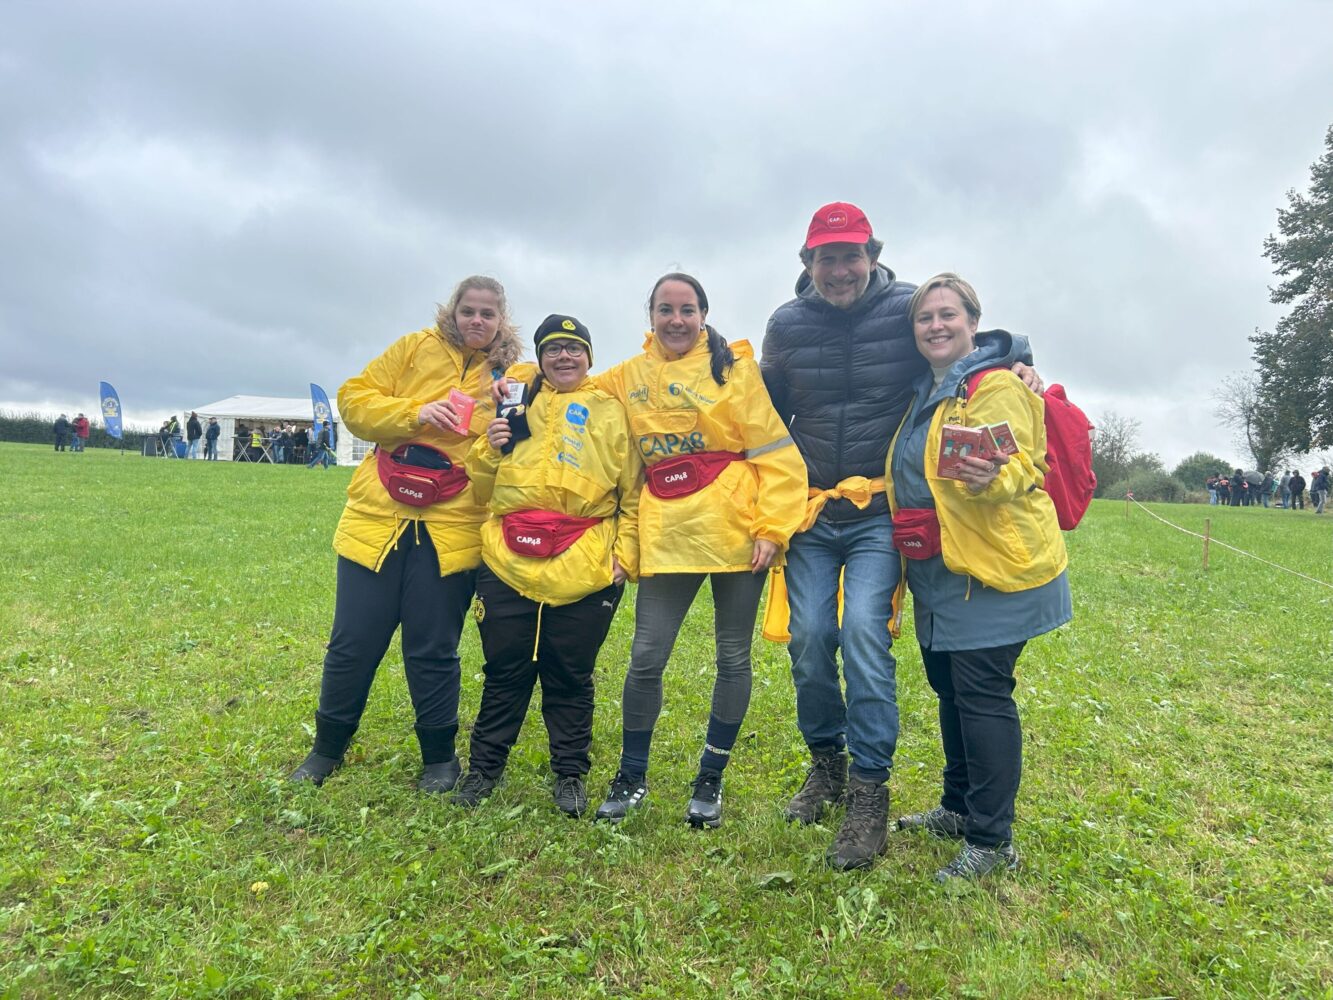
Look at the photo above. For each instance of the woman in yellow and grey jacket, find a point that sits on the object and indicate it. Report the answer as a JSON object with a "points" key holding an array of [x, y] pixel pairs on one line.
{"points": [[563, 488], [409, 540], [984, 559], [725, 489]]}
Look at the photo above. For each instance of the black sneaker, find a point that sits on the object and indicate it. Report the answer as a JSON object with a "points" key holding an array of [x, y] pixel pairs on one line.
{"points": [[627, 792], [939, 822], [825, 784], [472, 788], [705, 808], [973, 862], [439, 778], [570, 795], [315, 768]]}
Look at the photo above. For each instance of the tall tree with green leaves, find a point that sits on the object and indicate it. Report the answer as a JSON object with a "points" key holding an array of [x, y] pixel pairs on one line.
{"points": [[1296, 359]]}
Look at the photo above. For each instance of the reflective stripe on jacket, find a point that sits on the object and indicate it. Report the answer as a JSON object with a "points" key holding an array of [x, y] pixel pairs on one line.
{"points": [[676, 408], [381, 405], [1007, 536], [578, 461]]}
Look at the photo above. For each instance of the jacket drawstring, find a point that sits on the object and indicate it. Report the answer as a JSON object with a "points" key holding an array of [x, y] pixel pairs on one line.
{"points": [[538, 636]]}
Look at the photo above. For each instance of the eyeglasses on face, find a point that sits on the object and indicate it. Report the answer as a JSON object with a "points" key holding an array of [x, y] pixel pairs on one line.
{"points": [[574, 348]]}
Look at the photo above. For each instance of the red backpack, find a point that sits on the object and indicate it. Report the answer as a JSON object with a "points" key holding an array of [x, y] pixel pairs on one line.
{"points": [[1070, 481]]}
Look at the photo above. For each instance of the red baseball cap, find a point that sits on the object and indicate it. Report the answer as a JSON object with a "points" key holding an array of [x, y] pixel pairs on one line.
{"points": [[839, 222]]}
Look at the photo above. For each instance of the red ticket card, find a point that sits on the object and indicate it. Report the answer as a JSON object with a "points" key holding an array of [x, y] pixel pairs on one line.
{"points": [[463, 406], [958, 443]]}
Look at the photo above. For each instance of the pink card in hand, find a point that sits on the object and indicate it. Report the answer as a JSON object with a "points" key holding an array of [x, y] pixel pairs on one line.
{"points": [[463, 405]]}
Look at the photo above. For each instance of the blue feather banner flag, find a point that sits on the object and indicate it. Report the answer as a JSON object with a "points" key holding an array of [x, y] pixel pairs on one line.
{"points": [[111, 412], [319, 402]]}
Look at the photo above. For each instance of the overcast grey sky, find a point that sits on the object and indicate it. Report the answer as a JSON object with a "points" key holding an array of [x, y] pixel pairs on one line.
{"points": [[202, 200]]}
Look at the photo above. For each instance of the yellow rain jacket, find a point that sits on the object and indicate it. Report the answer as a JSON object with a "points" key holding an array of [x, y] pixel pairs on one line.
{"points": [[1007, 536], [381, 405], [675, 408], [579, 461]]}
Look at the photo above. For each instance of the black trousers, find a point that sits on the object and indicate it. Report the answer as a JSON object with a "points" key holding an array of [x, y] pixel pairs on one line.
{"points": [[983, 742], [566, 641], [369, 606]]}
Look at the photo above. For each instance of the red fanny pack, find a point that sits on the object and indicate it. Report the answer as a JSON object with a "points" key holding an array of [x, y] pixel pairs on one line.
{"points": [[419, 485], [541, 534], [686, 474], [916, 532]]}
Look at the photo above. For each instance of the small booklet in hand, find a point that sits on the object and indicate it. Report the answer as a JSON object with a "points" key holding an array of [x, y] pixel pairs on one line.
{"points": [[958, 443], [1004, 438]]}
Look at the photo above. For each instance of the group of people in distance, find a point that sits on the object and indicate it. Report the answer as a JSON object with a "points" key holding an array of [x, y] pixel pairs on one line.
{"points": [[72, 434], [1288, 492], [540, 489]]}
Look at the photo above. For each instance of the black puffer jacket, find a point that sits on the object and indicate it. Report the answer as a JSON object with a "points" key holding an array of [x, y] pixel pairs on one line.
{"points": [[842, 379]]}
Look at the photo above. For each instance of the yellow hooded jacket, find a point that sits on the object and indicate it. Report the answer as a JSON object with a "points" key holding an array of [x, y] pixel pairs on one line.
{"points": [[381, 405], [675, 408], [1007, 536], [579, 461]]}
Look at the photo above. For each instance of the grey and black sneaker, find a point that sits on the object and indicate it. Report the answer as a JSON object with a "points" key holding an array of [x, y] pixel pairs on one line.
{"points": [[627, 792], [825, 784], [705, 808], [472, 788], [864, 833], [973, 862], [436, 779], [570, 795], [939, 822]]}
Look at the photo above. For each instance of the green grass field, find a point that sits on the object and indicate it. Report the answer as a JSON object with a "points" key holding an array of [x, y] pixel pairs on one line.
{"points": [[161, 636]]}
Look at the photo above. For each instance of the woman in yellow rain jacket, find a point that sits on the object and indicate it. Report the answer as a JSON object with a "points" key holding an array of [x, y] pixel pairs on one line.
{"points": [[985, 561], [725, 488], [409, 540], [563, 484]]}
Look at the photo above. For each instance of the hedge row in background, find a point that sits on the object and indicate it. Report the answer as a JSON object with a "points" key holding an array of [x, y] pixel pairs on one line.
{"points": [[31, 427]]}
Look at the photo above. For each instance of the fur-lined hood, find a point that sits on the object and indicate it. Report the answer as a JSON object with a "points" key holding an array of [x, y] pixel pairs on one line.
{"points": [[504, 351]]}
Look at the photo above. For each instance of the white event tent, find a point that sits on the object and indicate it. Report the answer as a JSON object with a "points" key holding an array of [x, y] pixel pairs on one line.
{"points": [[265, 411]]}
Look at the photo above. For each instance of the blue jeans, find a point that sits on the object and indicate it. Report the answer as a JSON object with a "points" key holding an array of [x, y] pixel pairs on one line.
{"points": [[866, 722]]}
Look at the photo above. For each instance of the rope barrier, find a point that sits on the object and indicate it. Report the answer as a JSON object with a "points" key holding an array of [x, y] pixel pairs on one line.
{"points": [[1323, 583]]}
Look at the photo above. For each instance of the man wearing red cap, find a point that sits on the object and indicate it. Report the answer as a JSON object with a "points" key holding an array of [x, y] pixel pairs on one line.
{"points": [[839, 361]]}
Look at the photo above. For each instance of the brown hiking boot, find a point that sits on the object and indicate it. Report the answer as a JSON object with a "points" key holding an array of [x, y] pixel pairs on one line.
{"points": [[865, 829], [824, 786]]}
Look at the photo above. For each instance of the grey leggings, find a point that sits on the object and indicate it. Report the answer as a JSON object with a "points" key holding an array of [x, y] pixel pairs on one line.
{"points": [[658, 612]]}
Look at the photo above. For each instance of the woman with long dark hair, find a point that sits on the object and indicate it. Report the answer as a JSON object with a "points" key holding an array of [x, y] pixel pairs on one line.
{"points": [[725, 488]]}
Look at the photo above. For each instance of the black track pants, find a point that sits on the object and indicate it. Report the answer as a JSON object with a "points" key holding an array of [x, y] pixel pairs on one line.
{"points": [[566, 647], [369, 606]]}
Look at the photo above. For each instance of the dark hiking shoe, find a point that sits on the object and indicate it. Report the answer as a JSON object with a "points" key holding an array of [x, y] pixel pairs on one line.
{"points": [[472, 788], [973, 862], [705, 808], [825, 784], [570, 795], [864, 834], [315, 768], [439, 778], [939, 822], [627, 792]]}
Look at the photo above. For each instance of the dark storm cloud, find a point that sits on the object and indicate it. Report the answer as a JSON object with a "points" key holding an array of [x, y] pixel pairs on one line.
{"points": [[201, 201]]}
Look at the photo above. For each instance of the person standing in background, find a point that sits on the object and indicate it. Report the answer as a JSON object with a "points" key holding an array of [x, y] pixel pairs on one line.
{"points": [[79, 437], [194, 431], [61, 429], [211, 439], [1296, 489]]}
